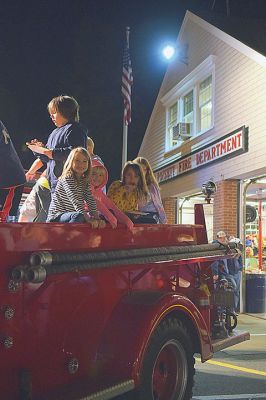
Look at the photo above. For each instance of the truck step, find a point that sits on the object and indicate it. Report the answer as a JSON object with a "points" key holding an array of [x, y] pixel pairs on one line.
{"points": [[234, 338], [112, 391]]}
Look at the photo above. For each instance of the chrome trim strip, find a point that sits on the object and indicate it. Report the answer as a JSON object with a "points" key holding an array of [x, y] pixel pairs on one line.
{"points": [[112, 391]]}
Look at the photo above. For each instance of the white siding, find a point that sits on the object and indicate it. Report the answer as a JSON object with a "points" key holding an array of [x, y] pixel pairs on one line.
{"points": [[239, 99]]}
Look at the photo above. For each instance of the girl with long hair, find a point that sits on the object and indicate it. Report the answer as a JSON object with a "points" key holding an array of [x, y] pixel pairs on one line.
{"points": [[131, 190], [153, 204], [73, 191]]}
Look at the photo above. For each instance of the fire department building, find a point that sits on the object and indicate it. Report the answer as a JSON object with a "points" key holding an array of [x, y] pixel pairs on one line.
{"points": [[209, 123]]}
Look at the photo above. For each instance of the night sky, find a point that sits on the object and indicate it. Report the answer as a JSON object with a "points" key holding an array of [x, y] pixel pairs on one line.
{"points": [[75, 47]]}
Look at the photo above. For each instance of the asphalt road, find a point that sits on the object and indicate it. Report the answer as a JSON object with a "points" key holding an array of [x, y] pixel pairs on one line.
{"points": [[236, 373]]}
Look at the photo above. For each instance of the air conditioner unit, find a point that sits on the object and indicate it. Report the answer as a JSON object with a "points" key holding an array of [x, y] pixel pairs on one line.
{"points": [[182, 131]]}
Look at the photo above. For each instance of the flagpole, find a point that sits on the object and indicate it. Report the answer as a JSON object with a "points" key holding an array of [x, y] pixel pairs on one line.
{"points": [[124, 147], [125, 122]]}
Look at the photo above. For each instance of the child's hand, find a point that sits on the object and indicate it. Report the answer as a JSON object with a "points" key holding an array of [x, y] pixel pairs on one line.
{"points": [[29, 176], [130, 225], [93, 222], [36, 142], [101, 223], [130, 188], [96, 223]]}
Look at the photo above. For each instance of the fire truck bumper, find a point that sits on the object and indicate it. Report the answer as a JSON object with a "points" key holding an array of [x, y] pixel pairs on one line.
{"points": [[235, 338]]}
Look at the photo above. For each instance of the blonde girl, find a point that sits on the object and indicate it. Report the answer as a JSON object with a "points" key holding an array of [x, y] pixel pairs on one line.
{"points": [[131, 191], [73, 191], [153, 205]]}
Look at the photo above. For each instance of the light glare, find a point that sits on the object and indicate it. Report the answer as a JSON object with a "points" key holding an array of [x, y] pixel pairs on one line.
{"points": [[168, 52]]}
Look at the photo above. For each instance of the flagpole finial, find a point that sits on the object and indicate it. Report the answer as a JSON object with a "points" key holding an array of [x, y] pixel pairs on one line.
{"points": [[127, 34]]}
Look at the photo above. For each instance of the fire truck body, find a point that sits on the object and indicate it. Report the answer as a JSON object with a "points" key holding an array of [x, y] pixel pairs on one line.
{"points": [[89, 312]]}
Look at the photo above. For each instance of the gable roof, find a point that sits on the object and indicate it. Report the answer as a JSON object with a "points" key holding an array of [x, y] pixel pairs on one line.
{"points": [[246, 35], [249, 31]]}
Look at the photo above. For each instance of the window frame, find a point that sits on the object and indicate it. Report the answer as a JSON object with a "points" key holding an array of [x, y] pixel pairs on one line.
{"points": [[170, 138], [199, 108], [176, 95]]}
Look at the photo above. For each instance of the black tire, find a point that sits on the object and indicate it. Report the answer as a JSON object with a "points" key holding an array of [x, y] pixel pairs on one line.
{"points": [[168, 367]]}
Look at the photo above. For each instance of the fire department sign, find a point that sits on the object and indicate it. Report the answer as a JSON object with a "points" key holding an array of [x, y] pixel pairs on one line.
{"points": [[228, 146]]}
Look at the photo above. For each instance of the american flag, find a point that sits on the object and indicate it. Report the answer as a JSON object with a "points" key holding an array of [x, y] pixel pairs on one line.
{"points": [[127, 80]]}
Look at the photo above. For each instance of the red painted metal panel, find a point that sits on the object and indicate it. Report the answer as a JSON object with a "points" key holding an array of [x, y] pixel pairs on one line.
{"points": [[103, 318]]}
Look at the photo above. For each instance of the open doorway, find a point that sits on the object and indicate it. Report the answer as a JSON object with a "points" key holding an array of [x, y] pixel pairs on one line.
{"points": [[185, 212]]}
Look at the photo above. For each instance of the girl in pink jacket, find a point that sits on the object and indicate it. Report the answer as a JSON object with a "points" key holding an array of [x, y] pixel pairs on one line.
{"points": [[105, 206]]}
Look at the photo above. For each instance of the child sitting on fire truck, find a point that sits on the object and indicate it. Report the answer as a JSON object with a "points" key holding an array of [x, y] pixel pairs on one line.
{"points": [[72, 190], [154, 205], [106, 206], [132, 190]]}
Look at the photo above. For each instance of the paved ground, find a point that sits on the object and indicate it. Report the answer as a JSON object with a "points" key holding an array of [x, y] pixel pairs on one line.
{"points": [[238, 372]]}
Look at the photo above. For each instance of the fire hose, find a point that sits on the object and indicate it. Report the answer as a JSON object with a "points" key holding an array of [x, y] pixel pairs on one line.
{"points": [[44, 264]]}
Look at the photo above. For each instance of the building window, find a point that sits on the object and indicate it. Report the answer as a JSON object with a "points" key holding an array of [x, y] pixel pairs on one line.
{"points": [[191, 113], [205, 104], [188, 107], [172, 121]]}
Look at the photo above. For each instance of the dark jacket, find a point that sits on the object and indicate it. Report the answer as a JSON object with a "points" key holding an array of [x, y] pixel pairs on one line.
{"points": [[11, 170], [220, 267], [235, 265], [62, 140]]}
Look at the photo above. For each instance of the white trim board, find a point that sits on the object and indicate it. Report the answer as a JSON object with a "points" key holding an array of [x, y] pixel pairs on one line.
{"points": [[203, 69], [261, 396], [225, 37]]}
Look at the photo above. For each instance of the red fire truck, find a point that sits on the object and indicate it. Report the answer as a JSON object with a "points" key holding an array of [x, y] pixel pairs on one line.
{"points": [[95, 313]]}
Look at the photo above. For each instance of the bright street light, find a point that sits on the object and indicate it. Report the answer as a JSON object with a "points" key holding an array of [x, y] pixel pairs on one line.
{"points": [[168, 52]]}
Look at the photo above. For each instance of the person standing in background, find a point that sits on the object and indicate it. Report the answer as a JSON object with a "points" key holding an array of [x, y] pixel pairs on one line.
{"points": [[90, 148], [235, 267], [220, 268], [12, 175]]}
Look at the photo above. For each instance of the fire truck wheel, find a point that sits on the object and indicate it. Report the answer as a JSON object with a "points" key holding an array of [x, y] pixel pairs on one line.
{"points": [[168, 366]]}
